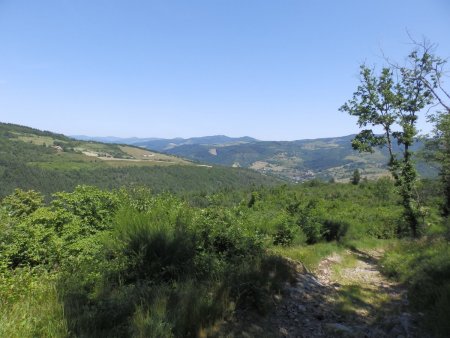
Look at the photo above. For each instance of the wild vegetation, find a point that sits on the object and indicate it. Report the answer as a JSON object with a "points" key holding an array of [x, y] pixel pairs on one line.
{"points": [[301, 160], [130, 262], [115, 258]]}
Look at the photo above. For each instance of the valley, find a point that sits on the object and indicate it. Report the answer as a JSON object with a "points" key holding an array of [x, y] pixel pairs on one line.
{"points": [[50, 162], [297, 161], [224, 169]]}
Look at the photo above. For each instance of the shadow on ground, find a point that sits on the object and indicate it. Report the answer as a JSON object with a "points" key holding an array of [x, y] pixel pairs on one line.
{"points": [[366, 305]]}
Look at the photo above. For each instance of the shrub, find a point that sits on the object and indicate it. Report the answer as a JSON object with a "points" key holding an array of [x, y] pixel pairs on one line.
{"points": [[253, 282], [334, 229], [155, 248], [31, 241], [425, 267], [93, 206], [168, 271], [287, 232], [22, 203], [221, 232], [311, 220]]}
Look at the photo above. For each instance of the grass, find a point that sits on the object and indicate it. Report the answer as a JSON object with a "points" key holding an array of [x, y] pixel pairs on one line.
{"points": [[356, 300], [36, 139], [35, 311], [78, 161], [310, 255], [149, 156], [424, 266], [75, 161], [357, 295]]}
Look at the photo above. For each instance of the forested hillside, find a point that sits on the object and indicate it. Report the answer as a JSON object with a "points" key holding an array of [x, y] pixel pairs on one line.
{"points": [[48, 162], [117, 241], [326, 158], [331, 220], [331, 158], [110, 240]]}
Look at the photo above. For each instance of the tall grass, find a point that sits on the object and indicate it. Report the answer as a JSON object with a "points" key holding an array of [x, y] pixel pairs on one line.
{"points": [[169, 272], [29, 306], [424, 266]]}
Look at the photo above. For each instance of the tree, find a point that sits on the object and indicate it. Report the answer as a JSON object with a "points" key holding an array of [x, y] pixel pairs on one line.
{"points": [[22, 203], [356, 177], [438, 149], [391, 100], [428, 69]]}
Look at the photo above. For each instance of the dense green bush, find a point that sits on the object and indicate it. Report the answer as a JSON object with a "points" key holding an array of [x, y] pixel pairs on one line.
{"points": [[131, 262], [311, 221], [334, 230], [168, 270], [22, 203], [286, 231]]}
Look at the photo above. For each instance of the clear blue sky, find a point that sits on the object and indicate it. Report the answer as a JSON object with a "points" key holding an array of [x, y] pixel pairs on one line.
{"points": [[274, 69]]}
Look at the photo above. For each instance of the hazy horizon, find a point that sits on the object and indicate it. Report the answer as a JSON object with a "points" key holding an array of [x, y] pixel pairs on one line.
{"points": [[212, 135]]}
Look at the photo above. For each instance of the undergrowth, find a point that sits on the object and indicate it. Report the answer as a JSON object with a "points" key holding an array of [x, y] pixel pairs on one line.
{"points": [[94, 263], [424, 267]]}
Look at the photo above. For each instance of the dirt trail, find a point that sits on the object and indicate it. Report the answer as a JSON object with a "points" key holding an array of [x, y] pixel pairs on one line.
{"points": [[346, 297]]}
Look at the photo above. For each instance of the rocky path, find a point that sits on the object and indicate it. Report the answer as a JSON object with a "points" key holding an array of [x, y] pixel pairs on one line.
{"points": [[346, 297]]}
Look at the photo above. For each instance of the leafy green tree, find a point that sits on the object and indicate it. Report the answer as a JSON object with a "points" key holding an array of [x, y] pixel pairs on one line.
{"points": [[426, 69], [356, 177], [93, 206], [22, 203], [391, 100], [439, 147]]}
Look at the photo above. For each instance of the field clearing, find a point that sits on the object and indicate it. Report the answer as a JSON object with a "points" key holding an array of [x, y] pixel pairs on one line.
{"points": [[118, 163], [146, 155], [35, 139], [76, 161]]}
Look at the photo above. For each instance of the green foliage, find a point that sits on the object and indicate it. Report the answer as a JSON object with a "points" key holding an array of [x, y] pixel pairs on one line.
{"points": [[425, 267], [356, 177], [95, 208], [157, 244], [29, 305], [22, 203], [133, 262], [439, 150], [286, 232], [166, 270], [311, 221], [31, 242], [392, 100], [334, 229]]}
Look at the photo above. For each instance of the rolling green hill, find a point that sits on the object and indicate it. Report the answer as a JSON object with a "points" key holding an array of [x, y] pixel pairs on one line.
{"points": [[297, 160], [325, 158], [49, 162]]}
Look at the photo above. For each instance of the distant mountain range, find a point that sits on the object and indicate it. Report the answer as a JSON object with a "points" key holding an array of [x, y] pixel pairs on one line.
{"points": [[324, 158], [161, 144]]}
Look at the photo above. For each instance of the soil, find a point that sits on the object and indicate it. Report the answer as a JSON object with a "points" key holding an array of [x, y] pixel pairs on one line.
{"points": [[358, 301]]}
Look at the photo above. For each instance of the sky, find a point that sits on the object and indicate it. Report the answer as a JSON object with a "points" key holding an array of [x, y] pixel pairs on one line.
{"points": [[273, 70]]}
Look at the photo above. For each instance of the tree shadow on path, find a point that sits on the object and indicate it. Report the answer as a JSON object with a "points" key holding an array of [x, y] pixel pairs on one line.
{"points": [[363, 303]]}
